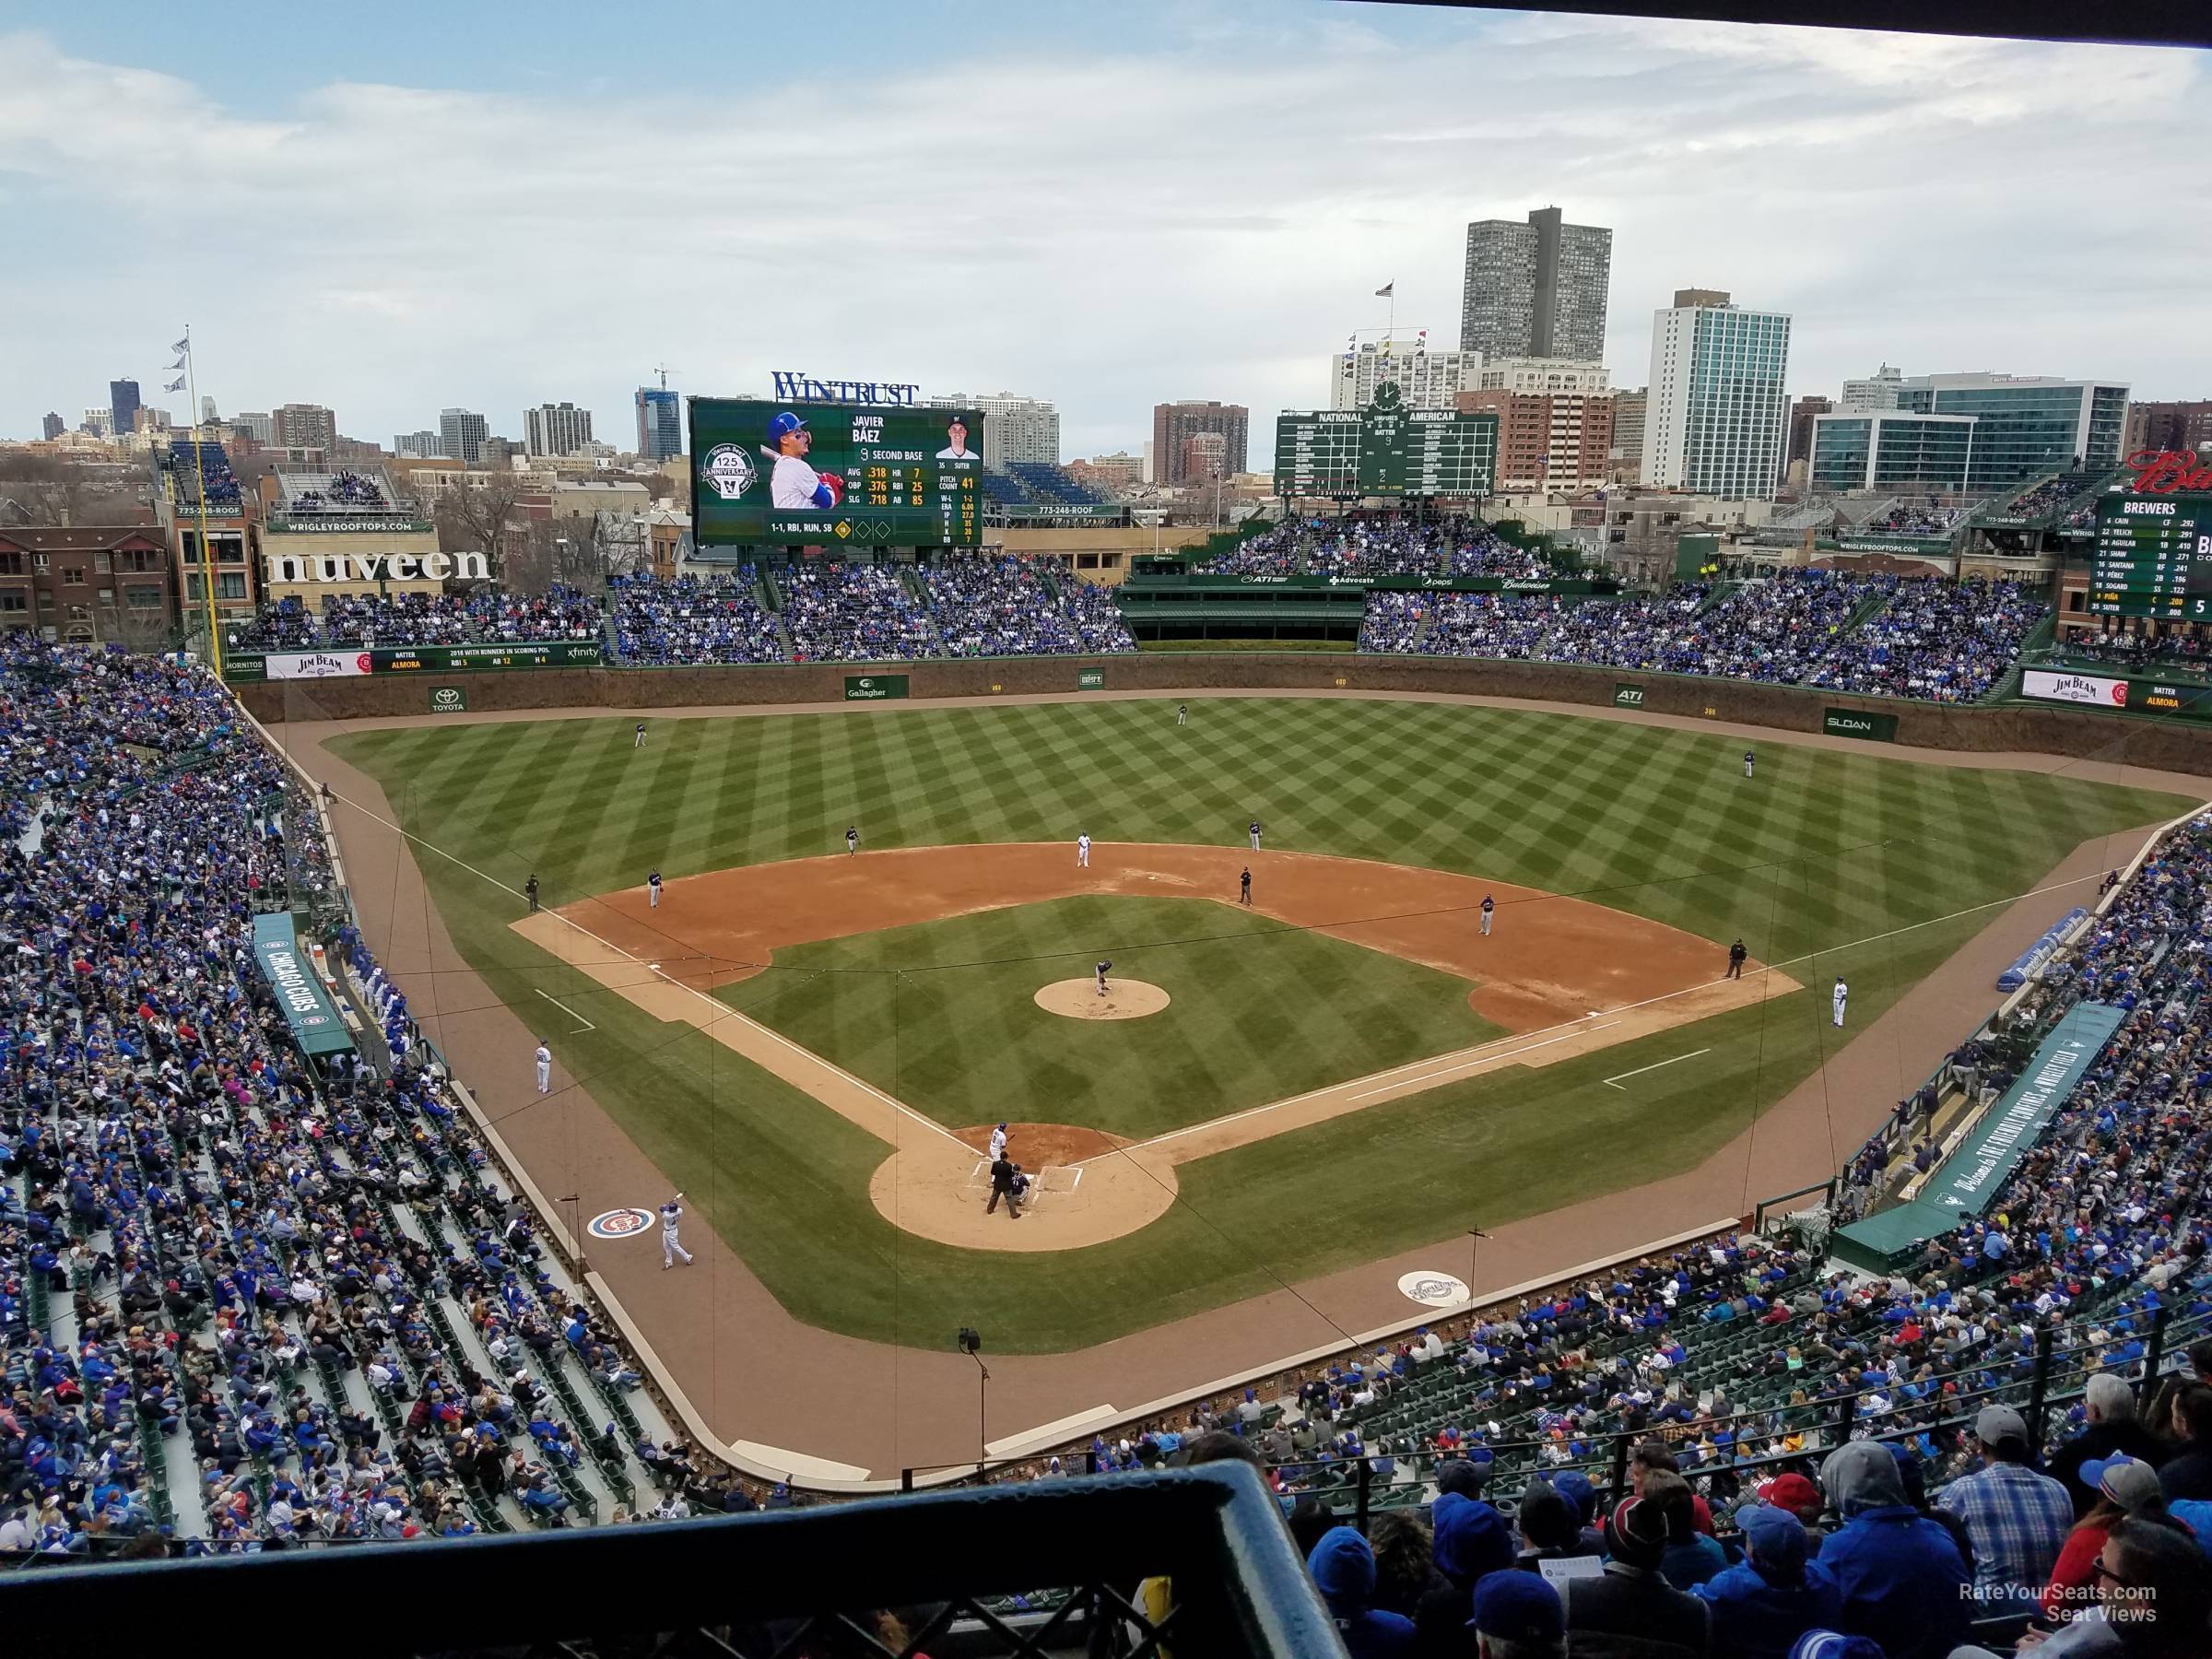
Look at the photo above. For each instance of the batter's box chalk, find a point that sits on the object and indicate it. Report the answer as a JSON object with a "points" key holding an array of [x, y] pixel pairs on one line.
{"points": [[1054, 1178]]}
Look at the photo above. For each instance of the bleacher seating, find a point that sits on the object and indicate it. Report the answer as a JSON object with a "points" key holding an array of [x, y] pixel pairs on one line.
{"points": [[693, 620], [1009, 607], [1046, 482], [194, 465], [482, 616]]}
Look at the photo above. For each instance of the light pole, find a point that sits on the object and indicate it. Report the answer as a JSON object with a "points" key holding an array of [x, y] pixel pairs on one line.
{"points": [[971, 1345]]}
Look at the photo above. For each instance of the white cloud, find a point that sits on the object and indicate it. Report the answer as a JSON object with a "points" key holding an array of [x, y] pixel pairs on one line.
{"points": [[1204, 217]]}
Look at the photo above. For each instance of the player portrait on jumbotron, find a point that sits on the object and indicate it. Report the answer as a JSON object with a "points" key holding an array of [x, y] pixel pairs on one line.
{"points": [[955, 441]]}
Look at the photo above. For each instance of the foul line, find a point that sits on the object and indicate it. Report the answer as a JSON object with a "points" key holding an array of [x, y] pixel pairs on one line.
{"points": [[1614, 1081], [1424, 1080], [586, 1024], [721, 1010]]}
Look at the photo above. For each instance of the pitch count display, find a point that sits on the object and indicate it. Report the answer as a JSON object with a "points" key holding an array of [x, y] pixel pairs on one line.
{"points": [[851, 474], [2153, 558]]}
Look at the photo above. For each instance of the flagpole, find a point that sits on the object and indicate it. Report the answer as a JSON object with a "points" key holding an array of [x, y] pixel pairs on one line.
{"points": [[199, 466]]}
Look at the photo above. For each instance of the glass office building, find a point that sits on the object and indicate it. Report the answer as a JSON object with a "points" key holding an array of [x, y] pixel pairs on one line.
{"points": [[1717, 420], [1914, 453], [2026, 426]]}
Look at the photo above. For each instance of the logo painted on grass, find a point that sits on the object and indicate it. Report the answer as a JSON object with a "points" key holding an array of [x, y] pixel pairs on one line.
{"points": [[618, 1224], [448, 699], [1434, 1289]]}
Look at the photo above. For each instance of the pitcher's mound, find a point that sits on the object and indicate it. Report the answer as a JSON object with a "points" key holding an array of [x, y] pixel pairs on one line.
{"points": [[1079, 999]]}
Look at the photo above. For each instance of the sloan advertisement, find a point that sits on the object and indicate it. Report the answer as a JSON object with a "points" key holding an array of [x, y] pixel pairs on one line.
{"points": [[2054, 686]]}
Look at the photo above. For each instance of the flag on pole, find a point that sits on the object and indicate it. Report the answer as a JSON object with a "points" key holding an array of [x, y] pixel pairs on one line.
{"points": [[175, 385], [1387, 289], [178, 364], [182, 346]]}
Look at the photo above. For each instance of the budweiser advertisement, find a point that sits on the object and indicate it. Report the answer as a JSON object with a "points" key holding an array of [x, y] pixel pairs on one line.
{"points": [[2074, 688], [2165, 472]]}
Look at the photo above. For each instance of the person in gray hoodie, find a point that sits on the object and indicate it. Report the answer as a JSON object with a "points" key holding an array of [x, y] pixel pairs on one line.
{"points": [[1902, 1578]]}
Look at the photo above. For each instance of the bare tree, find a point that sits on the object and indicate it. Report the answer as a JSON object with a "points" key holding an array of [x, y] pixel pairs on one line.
{"points": [[544, 551], [475, 520]]}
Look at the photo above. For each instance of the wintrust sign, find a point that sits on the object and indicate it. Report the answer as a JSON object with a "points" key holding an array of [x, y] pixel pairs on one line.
{"points": [[795, 387], [296, 568]]}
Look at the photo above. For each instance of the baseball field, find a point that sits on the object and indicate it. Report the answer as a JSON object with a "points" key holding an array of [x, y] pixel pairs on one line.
{"points": [[814, 1046]]}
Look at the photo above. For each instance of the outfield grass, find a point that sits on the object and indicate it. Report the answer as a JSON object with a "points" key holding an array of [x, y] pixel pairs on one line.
{"points": [[954, 1032], [1825, 848]]}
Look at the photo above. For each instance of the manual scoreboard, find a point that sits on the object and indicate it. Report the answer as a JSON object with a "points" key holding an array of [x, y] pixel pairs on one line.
{"points": [[832, 475], [1412, 454], [2153, 558]]}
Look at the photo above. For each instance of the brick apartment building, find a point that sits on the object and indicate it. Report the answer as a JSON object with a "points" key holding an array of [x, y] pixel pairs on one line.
{"points": [[87, 585]]}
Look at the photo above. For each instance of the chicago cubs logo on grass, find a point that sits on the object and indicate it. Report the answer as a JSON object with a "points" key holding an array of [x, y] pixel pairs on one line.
{"points": [[1431, 1289], [618, 1224]]}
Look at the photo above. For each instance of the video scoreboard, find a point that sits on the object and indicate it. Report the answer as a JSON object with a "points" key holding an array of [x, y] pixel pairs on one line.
{"points": [[831, 475], [2153, 558], [1379, 450]]}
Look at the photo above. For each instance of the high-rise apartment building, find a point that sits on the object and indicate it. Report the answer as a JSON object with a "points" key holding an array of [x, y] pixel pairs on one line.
{"points": [[418, 446], [660, 424], [99, 422], [1545, 375], [1174, 425], [1537, 289], [305, 426], [1204, 457], [1717, 420], [1886, 450], [1878, 390], [2183, 426], [1015, 428], [208, 415], [559, 428], [1548, 440], [256, 425], [1801, 428], [1427, 380], [53, 426], [1627, 435], [461, 434], [123, 406]]}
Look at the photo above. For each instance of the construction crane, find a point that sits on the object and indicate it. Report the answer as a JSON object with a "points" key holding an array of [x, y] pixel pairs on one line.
{"points": [[664, 371]]}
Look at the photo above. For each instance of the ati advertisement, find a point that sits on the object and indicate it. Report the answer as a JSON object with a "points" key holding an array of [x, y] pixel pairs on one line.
{"points": [[835, 475]]}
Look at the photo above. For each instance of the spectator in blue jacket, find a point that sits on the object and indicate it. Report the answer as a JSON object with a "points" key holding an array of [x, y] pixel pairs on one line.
{"points": [[1902, 1578], [1343, 1570], [1472, 1539], [1761, 1607]]}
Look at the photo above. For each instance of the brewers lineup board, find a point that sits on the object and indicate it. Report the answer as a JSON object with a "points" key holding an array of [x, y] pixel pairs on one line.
{"points": [[2153, 558], [1347, 453], [835, 475]]}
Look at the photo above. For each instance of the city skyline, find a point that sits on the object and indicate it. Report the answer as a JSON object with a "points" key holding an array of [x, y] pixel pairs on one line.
{"points": [[1795, 162]]}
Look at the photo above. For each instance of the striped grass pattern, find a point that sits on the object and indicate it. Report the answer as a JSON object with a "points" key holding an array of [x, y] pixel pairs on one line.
{"points": [[1824, 849]]}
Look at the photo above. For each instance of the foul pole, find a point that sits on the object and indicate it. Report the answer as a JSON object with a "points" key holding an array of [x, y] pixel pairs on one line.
{"points": [[199, 467]]}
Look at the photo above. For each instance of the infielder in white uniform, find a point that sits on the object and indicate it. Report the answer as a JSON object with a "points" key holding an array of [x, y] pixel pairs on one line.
{"points": [[1255, 832], [652, 886], [1840, 995], [1489, 907], [671, 1213], [544, 1067], [794, 483], [1082, 851]]}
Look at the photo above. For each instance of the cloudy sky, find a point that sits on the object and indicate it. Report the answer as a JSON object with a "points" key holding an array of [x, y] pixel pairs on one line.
{"points": [[395, 209]]}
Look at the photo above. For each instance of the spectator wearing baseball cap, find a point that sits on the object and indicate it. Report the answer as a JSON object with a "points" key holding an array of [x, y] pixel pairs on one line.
{"points": [[1471, 1540], [1343, 1570], [2154, 1601], [1550, 1527], [2109, 1406], [1799, 1494], [2017, 1519], [1777, 1594], [1518, 1616], [1903, 1582], [2126, 1487], [1630, 1611]]}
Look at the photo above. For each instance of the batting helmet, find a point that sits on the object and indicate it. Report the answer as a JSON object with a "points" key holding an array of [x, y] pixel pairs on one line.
{"points": [[782, 426]]}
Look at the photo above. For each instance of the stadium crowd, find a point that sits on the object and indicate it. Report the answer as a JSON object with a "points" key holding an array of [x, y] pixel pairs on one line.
{"points": [[1924, 639], [482, 616], [1905, 519], [232, 1279], [342, 491], [2189, 652], [853, 612], [693, 620], [1380, 544], [1009, 607]]}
